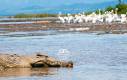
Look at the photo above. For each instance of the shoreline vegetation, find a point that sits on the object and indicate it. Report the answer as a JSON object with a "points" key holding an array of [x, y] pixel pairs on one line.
{"points": [[34, 15], [122, 9]]}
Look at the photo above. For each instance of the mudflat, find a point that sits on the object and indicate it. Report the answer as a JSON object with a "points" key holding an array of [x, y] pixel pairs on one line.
{"points": [[83, 27]]}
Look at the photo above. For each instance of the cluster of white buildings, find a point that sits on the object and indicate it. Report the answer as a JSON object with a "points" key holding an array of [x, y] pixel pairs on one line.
{"points": [[107, 17]]}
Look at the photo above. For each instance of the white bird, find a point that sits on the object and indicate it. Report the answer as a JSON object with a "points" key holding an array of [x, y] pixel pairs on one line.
{"points": [[62, 20], [123, 18], [63, 54], [70, 18], [108, 17]]}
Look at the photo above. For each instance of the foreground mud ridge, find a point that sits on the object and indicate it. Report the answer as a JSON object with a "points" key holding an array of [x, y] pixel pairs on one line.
{"points": [[35, 61]]}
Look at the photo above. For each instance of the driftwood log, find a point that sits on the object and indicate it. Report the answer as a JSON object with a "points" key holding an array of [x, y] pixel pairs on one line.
{"points": [[35, 61]]}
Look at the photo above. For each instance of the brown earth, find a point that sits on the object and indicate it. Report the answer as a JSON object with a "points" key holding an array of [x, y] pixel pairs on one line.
{"points": [[34, 61], [108, 28]]}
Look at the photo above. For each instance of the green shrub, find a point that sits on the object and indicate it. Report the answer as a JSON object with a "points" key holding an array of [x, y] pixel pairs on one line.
{"points": [[122, 8], [34, 15], [110, 8]]}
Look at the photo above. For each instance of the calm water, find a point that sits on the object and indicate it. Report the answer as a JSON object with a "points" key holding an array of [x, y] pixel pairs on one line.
{"points": [[96, 57]]}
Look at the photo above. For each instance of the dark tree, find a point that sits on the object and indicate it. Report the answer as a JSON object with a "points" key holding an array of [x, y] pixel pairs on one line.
{"points": [[120, 1]]}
